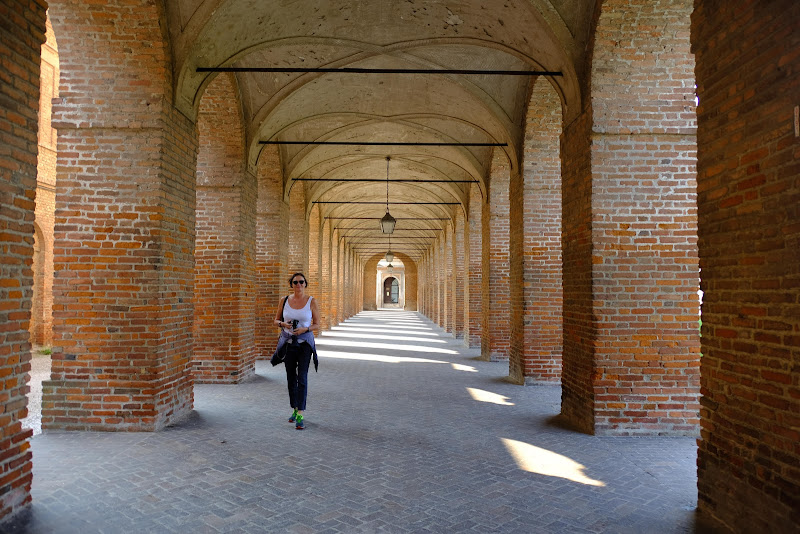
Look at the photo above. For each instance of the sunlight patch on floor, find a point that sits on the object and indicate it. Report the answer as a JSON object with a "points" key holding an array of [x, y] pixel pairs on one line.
{"points": [[327, 341], [537, 460], [467, 368], [373, 357], [417, 331], [487, 396], [362, 335]]}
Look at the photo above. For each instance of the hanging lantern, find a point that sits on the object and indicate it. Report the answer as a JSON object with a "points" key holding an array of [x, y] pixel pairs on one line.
{"points": [[387, 222], [389, 257]]}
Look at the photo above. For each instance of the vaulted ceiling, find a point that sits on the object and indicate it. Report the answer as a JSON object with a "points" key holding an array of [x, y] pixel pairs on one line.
{"points": [[454, 108]]}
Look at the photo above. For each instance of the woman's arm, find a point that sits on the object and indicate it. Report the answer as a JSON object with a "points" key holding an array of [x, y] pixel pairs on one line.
{"points": [[277, 321], [314, 316]]}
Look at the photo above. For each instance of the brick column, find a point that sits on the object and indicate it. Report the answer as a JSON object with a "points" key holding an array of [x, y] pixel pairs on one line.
{"points": [[334, 306], [298, 230], [536, 246], [473, 263], [447, 283], [496, 332], [20, 45], [325, 276], [41, 327], [124, 227], [631, 346], [225, 278], [459, 276], [439, 280], [314, 252], [272, 225], [748, 171]]}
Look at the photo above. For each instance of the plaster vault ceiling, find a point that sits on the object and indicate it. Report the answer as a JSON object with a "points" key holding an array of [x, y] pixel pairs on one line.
{"points": [[405, 108]]}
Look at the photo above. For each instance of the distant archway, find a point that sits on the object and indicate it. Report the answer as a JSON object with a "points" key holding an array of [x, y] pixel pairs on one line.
{"points": [[391, 291]]}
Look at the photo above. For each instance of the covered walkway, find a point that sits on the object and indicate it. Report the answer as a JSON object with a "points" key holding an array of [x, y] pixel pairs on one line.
{"points": [[407, 431]]}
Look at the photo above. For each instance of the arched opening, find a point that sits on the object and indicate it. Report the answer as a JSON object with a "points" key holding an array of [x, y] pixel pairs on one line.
{"points": [[390, 285], [391, 291]]}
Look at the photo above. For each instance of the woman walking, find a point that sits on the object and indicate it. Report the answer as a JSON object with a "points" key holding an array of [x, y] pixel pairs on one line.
{"points": [[297, 316]]}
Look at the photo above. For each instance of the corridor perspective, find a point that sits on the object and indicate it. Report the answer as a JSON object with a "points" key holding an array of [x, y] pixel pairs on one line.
{"points": [[407, 431], [585, 212]]}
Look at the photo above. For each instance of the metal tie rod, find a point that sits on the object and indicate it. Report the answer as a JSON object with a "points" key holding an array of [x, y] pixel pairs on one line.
{"points": [[375, 143], [357, 70]]}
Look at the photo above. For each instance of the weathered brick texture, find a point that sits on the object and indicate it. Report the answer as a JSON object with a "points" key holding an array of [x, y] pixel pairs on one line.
{"points": [[124, 226], [748, 78], [633, 347], [272, 249], [21, 37], [496, 326], [536, 245], [225, 278]]}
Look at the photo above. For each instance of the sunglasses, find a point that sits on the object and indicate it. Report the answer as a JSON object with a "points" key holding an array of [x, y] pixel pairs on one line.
{"points": [[298, 282]]}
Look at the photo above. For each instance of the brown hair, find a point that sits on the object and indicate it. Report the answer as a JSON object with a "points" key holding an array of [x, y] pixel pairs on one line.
{"points": [[298, 274]]}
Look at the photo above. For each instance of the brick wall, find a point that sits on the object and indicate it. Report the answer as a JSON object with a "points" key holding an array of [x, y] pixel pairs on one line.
{"points": [[536, 245], [225, 278], [124, 226], [271, 249], [20, 42], [496, 333], [633, 227], [748, 77]]}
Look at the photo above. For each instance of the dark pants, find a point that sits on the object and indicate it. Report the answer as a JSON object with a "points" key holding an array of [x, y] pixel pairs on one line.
{"points": [[298, 358]]}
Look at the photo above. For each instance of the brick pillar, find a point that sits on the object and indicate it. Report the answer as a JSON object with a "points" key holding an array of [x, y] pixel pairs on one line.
{"points": [[459, 276], [20, 45], [124, 226], [298, 230], [473, 263], [324, 303], [334, 306], [272, 226], [314, 252], [439, 280], [631, 346], [496, 332], [748, 171], [42, 310], [536, 245], [447, 282], [225, 247], [412, 283]]}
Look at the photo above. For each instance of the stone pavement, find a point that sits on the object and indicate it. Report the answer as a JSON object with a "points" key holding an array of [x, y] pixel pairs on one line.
{"points": [[406, 432]]}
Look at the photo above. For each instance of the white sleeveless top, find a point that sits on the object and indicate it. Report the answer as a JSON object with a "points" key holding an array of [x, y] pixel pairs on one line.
{"points": [[303, 315]]}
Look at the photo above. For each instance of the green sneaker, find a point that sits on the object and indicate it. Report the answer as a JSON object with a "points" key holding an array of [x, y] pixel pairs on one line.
{"points": [[299, 424], [293, 417]]}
